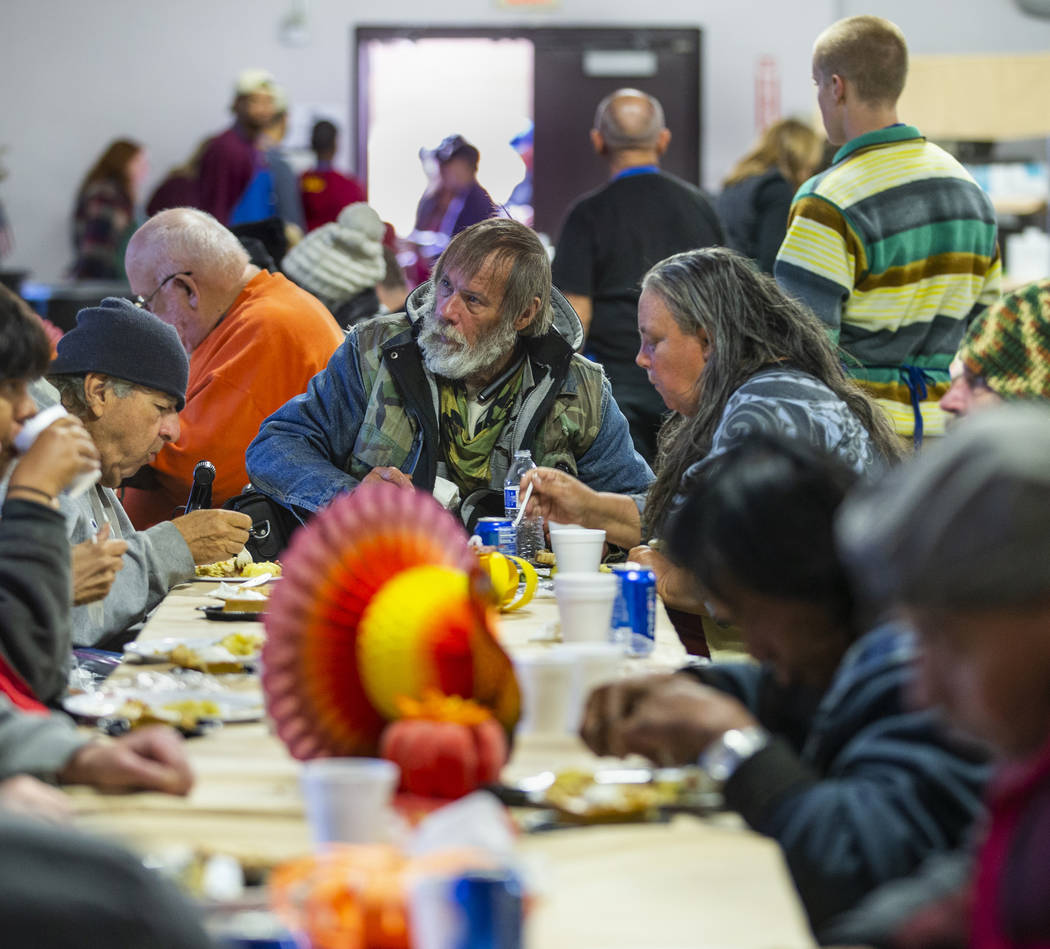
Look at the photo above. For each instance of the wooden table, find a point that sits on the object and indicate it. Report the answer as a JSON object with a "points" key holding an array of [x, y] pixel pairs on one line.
{"points": [[690, 882]]}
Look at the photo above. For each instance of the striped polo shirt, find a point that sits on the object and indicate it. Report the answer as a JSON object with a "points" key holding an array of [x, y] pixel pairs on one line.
{"points": [[894, 247]]}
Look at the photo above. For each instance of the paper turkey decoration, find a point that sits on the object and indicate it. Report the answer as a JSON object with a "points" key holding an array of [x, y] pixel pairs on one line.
{"points": [[381, 597]]}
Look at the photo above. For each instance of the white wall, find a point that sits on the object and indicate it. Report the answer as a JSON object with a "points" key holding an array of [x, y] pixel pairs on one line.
{"points": [[76, 74]]}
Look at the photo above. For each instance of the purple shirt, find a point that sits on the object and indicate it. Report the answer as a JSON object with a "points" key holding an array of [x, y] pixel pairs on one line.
{"points": [[227, 165]]}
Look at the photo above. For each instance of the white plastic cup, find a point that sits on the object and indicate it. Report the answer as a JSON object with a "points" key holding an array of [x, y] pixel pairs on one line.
{"points": [[585, 605], [592, 664], [348, 799], [577, 549], [546, 681], [32, 429]]}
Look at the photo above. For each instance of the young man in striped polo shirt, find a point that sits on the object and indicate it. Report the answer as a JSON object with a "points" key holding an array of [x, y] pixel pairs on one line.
{"points": [[893, 246]]}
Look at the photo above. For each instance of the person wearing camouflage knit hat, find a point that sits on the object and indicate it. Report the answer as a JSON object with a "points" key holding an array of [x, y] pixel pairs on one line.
{"points": [[1005, 354]]}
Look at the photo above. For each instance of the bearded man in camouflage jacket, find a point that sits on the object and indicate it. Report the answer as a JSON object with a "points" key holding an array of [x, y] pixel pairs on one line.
{"points": [[481, 364]]}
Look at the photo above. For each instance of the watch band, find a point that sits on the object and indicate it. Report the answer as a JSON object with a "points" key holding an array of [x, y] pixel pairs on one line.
{"points": [[722, 757]]}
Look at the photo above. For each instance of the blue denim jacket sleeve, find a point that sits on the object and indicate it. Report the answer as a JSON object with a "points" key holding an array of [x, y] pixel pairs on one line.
{"points": [[301, 452], [611, 463]]}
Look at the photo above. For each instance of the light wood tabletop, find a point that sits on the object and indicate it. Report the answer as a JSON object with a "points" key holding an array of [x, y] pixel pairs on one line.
{"points": [[692, 882]]}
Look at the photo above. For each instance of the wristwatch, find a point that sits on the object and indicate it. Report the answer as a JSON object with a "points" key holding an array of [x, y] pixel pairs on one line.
{"points": [[722, 757]]}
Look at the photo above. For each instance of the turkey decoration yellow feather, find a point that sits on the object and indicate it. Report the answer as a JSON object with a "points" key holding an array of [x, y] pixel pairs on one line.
{"points": [[381, 599]]}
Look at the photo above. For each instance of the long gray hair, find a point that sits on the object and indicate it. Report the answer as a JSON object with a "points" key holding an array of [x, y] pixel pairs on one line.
{"points": [[752, 325]]}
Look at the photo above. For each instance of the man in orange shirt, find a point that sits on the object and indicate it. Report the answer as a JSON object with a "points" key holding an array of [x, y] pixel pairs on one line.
{"points": [[255, 340]]}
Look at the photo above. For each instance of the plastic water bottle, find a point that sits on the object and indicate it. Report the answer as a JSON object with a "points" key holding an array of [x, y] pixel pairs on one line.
{"points": [[530, 530]]}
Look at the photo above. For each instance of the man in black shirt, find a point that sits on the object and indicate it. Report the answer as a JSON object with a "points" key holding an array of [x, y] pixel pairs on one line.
{"points": [[613, 235]]}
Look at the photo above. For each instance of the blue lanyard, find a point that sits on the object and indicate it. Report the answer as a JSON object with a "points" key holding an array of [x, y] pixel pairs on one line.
{"points": [[638, 170]]}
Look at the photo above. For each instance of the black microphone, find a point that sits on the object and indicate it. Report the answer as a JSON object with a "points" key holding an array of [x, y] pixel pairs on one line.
{"points": [[200, 492]]}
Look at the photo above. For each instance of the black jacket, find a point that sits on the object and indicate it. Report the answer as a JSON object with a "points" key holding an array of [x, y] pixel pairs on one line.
{"points": [[861, 788]]}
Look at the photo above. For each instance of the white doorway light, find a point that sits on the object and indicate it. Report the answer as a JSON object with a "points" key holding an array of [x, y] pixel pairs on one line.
{"points": [[422, 90]]}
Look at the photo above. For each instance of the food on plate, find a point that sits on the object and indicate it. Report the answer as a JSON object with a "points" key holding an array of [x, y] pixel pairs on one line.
{"points": [[215, 660], [243, 644], [184, 714], [140, 713], [229, 568], [578, 796], [546, 558], [198, 708], [240, 566], [263, 566], [593, 797], [245, 604]]}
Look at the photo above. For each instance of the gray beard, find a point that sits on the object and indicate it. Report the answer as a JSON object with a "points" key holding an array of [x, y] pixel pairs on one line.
{"points": [[447, 353]]}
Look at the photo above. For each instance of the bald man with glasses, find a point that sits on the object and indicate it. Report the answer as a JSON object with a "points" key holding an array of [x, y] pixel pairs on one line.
{"points": [[254, 340]]}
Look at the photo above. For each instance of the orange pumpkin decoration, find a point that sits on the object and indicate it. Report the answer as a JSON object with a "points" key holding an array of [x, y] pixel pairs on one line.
{"points": [[446, 746]]}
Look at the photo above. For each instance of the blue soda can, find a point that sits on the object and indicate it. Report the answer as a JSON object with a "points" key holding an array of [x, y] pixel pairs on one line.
{"points": [[490, 904], [498, 532], [634, 611]]}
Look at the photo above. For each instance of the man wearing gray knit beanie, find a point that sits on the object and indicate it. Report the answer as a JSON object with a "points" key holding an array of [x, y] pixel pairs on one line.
{"points": [[340, 263], [123, 373], [959, 539]]}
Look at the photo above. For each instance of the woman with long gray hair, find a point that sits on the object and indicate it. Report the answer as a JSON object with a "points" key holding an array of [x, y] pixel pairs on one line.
{"points": [[730, 355]]}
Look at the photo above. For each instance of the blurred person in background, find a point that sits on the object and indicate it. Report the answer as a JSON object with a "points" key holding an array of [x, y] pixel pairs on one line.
{"points": [[519, 204], [180, 187], [232, 158], [7, 240], [341, 263], [393, 289], [285, 183], [614, 234], [104, 215], [756, 195], [273, 190], [325, 191], [457, 201]]}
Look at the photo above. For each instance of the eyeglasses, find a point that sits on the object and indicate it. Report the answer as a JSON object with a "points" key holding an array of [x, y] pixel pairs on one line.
{"points": [[143, 302]]}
